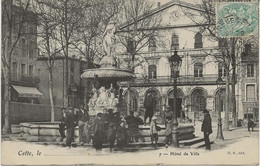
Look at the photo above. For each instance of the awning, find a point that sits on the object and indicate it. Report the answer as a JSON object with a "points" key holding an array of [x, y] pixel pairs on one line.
{"points": [[24, 91]]}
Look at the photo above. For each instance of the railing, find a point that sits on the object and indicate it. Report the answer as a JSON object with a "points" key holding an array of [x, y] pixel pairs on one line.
{"points": [[182, 80], [181, 52]]}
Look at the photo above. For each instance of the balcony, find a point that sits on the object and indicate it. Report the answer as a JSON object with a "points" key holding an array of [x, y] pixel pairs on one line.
{"points": [[183, 80], [168, 53]]}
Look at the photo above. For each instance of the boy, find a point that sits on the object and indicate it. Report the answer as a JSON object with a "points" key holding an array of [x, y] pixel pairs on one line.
{"points": [[121, 135], [154, 131], [168, 132]]}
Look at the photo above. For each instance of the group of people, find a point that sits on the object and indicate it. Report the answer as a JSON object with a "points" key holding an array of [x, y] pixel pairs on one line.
{"points": [[110, 127], [107, 127]]}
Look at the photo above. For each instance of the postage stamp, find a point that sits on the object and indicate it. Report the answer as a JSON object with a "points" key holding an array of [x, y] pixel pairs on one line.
{"points": [[237, 19]]}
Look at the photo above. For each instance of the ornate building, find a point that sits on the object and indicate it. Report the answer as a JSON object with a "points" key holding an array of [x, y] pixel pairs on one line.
{"points": [[197, 87]]}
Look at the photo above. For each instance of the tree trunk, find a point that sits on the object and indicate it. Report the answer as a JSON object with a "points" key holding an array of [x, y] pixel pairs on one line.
{"points": [[51, 95], [6, 128], [233, 83], [226, 119]]}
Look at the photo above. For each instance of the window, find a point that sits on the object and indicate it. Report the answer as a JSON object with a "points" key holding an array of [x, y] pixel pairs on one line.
{"points": [[221, 70], [39, 73], [23, 69], [198, 70], [152, 44], [175, 42], [152, 72], [24, 48], [198, 41], [250, 92], [15, 70], [31, 48], [31, 70], [221, 42], [130, 46], [250, 70]]}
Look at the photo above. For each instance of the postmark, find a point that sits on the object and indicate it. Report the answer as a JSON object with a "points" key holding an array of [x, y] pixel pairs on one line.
{"points": [[237, 19]]}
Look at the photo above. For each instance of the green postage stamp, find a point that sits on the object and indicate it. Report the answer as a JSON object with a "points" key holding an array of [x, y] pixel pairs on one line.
{"points": [[237, 19]]}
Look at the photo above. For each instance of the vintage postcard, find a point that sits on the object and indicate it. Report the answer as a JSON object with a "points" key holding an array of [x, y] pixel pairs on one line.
{"points": [[130, 82]]}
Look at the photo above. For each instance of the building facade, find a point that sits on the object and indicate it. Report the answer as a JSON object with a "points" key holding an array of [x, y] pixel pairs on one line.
{"points": [[201, 67], [24, 80]]}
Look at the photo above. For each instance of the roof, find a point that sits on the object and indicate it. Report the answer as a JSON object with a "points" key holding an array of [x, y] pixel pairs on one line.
{"points": [[161, 8]]}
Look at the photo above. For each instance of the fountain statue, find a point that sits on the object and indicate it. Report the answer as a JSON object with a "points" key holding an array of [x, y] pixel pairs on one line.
{"points": [[109, 72]]}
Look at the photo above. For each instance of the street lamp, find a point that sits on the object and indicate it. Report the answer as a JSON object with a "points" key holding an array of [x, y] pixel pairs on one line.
{"points": [[219, 82], [175, 62]]}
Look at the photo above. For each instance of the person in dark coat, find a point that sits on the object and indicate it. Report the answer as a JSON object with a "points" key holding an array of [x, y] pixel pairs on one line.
{"points": [[132, 124], [111, 129], [121, 135], [98, 131], [206, 128], [149, 105], [166, 113], [82, 118], [62, 124], [70, 123], [251, 124]]}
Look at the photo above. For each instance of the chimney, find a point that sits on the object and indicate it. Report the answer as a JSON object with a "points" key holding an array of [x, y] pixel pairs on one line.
{"points": [[158, 4]]}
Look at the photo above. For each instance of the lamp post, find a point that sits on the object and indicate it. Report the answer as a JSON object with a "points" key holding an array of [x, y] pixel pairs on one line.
{"points": [[219, 82], [175, 62]]}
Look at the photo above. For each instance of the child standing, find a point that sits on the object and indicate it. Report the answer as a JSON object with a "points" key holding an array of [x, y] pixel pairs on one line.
{"points": [[154, 131], [121, 135], [168, 132]]}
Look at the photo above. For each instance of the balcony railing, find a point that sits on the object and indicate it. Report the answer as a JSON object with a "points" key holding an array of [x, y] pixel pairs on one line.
{"points": [[209, 79], [181, 52]]}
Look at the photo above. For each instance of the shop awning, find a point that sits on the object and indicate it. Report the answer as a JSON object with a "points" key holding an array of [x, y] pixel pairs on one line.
{"points": [[24, 91]]}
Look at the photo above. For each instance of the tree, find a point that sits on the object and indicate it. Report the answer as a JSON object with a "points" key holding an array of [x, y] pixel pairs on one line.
{"points": [[69, 14], [229, 49], [47, 43], [138, 27], [14, 18]]}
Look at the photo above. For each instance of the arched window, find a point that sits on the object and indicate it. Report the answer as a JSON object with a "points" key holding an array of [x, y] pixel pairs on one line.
{"points": [[175, 42], [152, 72], [221, 70], [198, 70], [152, 44], [198, 41]]}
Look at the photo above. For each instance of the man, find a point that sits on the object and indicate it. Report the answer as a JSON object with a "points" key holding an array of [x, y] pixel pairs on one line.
{"points": [[251, 124], [206, 128], [121, 135], [62, 124], [83, 118], [111, 129], [70, 123], [149, 105], [154, 131], [132, 126], [167, 112], [168, 131], [98, 131]]}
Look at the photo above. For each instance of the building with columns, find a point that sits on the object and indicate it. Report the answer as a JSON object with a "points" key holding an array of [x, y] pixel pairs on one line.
{"points": [[201, 66]]}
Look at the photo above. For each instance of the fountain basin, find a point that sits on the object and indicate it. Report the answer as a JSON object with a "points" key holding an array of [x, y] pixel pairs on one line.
{"points": [[49, 132]]}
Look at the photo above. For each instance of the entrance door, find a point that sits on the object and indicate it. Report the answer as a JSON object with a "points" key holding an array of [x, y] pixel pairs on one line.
{"points": [[178, 105]]}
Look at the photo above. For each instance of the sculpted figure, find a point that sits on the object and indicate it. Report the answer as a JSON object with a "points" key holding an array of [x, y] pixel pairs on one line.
{"points": [[109, 37]]}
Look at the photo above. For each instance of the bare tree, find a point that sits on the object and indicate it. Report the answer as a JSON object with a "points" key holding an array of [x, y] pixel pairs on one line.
{"points": [[229, 49], [69, 14], [14, 18], [138, 26], [88, 36], [47, 43]]}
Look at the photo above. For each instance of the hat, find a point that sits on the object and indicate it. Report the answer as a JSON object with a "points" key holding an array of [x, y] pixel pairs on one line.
{"points": [[99, 114], [167, 106], [154, 118], [205, 111]]}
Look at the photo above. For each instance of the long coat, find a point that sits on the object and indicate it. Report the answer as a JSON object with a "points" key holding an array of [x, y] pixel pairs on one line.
{"points": [[206, 125]]}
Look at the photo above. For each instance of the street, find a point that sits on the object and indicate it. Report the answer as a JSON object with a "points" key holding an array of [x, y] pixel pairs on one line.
{"points": [[239, 147]]}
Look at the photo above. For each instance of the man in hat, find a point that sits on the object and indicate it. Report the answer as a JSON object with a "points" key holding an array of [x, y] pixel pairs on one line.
{"points": [[82, 118], [98, 131], [206, 128], [166, 113], [70, 123]]}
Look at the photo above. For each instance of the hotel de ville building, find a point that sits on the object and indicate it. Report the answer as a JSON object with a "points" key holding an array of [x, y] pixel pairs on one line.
{"points": [[197, 87]]}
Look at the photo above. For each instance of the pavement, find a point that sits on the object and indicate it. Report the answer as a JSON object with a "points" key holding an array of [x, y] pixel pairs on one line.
{"points": [[238, 147]]}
